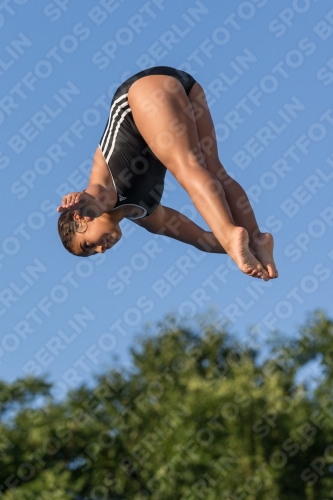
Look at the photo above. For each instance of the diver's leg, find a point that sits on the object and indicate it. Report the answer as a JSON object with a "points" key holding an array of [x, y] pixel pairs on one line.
{"points": [[162, 117], [240, 207]]}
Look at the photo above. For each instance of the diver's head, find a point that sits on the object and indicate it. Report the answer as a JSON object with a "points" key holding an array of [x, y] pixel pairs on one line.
{"points": [[84, 236]]}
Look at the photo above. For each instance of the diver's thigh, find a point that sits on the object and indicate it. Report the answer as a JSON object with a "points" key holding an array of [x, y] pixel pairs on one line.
{"points": [[164, 117]]}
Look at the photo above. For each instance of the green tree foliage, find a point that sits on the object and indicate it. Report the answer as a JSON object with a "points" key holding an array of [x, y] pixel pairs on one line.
{"points": [[196, 417]]}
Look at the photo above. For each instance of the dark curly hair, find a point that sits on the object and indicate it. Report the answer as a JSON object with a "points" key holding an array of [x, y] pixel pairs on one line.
{"points": [[67, 227]]}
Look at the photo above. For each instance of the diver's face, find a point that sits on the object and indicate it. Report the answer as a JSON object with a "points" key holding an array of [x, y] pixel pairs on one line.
{"points": [[95, 236]]}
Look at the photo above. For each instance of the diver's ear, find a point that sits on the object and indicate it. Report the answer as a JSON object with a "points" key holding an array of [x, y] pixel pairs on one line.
{"points": [[80, 218]]}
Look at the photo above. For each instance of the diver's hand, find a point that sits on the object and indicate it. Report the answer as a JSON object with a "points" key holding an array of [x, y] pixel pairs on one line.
{"points": [[84, 202]]}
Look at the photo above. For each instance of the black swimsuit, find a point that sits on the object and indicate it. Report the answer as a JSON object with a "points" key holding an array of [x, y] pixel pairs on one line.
{"points": [[138, 176]]}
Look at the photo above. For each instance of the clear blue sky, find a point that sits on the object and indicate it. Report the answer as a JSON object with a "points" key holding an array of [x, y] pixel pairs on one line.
{"points": [[267, 69]]}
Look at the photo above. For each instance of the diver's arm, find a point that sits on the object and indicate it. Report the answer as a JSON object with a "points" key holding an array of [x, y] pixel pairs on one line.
{"points": [[100, 184], [168, 222], [85, 203], [100, 195]]}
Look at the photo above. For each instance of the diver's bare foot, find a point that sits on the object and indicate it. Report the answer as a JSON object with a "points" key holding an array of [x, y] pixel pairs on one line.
{"points": [[263, 247], [239, 251]]}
